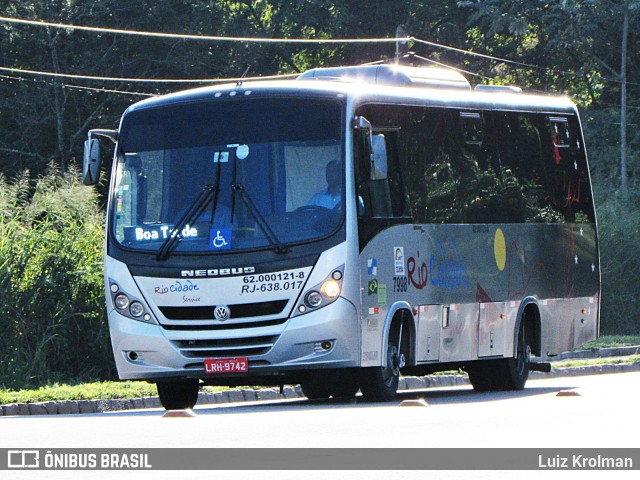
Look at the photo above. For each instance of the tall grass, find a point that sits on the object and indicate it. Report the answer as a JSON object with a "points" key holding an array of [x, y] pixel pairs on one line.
{"points": [[52, 320], [619, 229]]}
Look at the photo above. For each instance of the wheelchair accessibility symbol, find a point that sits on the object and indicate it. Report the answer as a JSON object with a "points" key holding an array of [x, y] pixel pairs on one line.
{"points": [[220, 239]]}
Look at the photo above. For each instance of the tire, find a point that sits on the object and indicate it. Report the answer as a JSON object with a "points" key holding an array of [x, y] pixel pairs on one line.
{"points": [[516, 370], [504, 374], [344, 387], [483, 375], [316, 389], [337, 386], [380, 384], [179, 394]]}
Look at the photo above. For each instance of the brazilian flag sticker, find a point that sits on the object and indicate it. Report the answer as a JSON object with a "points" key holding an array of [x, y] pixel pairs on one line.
{"points": [[373, 287]]}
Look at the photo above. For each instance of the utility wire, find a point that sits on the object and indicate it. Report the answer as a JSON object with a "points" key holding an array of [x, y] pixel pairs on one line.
{"points": [[491, 57], [262, 40], [77, 87], [505, 60], [276, 40], [195, 37], [444, 65], [140, 80], [107, 90]]}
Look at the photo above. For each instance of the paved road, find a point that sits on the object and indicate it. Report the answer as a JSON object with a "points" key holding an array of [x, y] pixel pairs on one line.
{"points": [[604, 414]]}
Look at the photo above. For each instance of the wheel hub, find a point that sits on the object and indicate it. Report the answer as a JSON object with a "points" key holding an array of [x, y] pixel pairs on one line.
{"points": [[396, 360]]}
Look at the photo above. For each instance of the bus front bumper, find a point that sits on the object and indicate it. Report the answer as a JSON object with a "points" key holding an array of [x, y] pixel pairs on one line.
{"points": [[327, 338]]}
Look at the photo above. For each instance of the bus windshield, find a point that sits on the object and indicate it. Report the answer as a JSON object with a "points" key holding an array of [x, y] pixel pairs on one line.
{"points": [[221, 176]]}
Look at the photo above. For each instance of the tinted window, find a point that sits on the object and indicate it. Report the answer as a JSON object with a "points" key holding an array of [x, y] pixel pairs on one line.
{"points": [[487, 166]]}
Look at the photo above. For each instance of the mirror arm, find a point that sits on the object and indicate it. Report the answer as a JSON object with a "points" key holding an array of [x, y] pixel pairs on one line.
{"points": [[361, 124], [110, 134], [91, 158]]}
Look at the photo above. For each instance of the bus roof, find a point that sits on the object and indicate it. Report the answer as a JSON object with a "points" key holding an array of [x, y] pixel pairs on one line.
{"points": [[414, 86]]}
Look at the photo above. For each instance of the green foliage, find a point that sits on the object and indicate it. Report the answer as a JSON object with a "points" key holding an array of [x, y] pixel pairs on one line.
{"points": [[618, 220], [608, 341], [619, 228], [597, 361], [51, 299], [85, 391]]}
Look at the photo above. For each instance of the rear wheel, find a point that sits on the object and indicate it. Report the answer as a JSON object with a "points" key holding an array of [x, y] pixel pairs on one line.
{"points": [[484, 375], [503, 374], [516, 370], [178, 394]]}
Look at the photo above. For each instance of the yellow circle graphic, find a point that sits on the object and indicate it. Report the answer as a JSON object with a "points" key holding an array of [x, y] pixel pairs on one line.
{"points": [[500, 249]]}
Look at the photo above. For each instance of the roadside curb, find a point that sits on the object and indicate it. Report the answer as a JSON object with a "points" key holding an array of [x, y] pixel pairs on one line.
{"points": [[596, 353], [67, 407]]}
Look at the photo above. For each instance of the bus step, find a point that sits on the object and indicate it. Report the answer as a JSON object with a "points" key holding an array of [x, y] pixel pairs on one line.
{"points": [[540, 367]]}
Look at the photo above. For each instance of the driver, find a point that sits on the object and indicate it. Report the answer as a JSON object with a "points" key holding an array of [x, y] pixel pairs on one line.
{"points": [[331, 196]]}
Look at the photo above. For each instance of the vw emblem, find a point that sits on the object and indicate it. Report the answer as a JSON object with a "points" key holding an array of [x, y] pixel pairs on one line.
{"points": [[221, 312]]}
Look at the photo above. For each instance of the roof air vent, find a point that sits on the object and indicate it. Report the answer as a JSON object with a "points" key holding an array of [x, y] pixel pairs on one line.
{"points": [[392, 75], [498, 88]]}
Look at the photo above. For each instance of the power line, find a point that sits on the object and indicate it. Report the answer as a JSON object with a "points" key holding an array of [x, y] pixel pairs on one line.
{"points": [[272, 40], [505, 60], [260, 40], [107, 90], [139, 80], [489, 57], [78, 87], [181, 36], [444, 65]]}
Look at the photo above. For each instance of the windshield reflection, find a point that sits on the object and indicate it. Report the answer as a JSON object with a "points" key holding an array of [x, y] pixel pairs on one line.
{"points": [[232, 194]]}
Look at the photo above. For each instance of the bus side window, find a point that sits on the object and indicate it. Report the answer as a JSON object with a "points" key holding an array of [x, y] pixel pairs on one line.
{"points": [[572, 184], [428, 166], [380, 196]]}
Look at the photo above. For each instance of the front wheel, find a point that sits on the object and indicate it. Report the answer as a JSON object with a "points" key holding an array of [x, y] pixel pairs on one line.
{"points": [[380, 384], [316, 389], [340, 385], [179, 394]]}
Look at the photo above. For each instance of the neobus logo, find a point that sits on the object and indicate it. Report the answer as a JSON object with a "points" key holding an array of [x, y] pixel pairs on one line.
{"points": [[217, 272]]}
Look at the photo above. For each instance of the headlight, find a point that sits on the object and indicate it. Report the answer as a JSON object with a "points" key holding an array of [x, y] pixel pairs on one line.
{"points": [[322, 294], [136, 309], [121, 301], [331, 288], [313, 299], [128, 305]]}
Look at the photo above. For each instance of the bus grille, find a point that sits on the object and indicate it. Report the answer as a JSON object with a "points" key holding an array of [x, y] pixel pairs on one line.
{"points": [[231, 347], [242, 310], [226, 325]]}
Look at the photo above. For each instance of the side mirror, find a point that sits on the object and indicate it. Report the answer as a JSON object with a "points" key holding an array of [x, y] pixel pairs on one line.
{"points": [[375, 148], [91, 162], [378, 157], [361, 208]]}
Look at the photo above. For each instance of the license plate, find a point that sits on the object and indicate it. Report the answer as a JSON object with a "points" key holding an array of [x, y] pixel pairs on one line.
{"points": [[226, 365]]}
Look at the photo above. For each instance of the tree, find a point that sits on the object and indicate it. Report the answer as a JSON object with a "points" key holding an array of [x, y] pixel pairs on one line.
{"points": [[581, 36]]}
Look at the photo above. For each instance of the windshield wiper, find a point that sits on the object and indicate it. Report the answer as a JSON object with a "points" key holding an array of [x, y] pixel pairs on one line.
{"points": [[193, 212], [278, 247]]}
